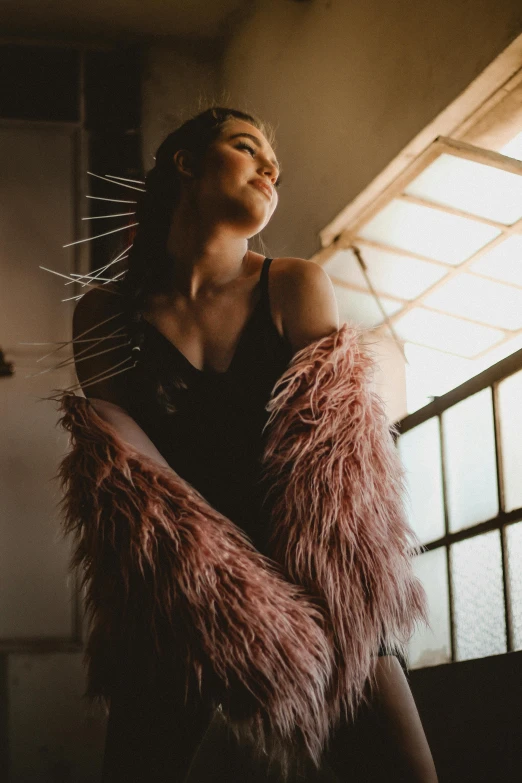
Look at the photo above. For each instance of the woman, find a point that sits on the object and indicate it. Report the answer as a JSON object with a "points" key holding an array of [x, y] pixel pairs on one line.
{"points": [[215, 327]]}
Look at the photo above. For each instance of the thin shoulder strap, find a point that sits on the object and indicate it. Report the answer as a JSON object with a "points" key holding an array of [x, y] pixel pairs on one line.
{"points": [[264, 279]]}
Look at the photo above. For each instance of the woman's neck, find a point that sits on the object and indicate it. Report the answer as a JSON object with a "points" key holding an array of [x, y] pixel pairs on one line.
{"points": [[205, 257]]}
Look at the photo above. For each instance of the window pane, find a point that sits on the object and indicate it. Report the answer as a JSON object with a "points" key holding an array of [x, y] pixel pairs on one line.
{"points": [[446, 333], [473, 187], [514, 547], [503, 262], [362, 308], [473, 297], [420, 453], [390, 273], [478, 595], [469, 453], [431, 646], [428, 232], [510, 415], [513, 148]]}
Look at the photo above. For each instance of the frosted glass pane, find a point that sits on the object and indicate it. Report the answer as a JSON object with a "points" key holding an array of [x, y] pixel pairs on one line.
{"points": [[428, 232], [362, 308], [514, 547], [503, 262], [510, 415], [430, 372], [431, 646], [473, 297], [472, 187], [390, 273], [419, 449], [446, 333], [478, 596], [513, 149], [469, 453]]}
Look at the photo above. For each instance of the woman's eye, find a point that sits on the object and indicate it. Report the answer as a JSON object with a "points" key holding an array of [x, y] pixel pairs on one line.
{"points": [[243, 146]]}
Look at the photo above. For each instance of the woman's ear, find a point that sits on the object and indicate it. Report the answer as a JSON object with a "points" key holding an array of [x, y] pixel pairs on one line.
{"points": [[184, 162]]}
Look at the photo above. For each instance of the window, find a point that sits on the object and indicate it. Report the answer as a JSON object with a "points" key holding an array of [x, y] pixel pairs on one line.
{"points": [[438, 258], [431, 251], [462, 454]]}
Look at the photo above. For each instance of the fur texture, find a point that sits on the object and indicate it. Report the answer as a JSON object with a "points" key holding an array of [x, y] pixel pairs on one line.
{"points": [[158, 562], [283, 644], [337, 500]]}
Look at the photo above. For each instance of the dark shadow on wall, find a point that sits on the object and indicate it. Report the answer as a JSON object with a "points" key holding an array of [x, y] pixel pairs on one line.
{"points": [[472, 716]]}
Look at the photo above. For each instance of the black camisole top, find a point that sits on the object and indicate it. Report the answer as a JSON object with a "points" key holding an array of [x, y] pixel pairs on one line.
{"points": [[210, 429]]}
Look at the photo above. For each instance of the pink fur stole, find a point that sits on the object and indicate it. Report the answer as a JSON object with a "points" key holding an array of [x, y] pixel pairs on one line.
{"points": [[284, 644], [337, 489]]}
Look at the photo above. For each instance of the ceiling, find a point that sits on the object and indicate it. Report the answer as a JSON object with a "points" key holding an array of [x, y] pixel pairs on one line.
{"points": [[115, 19]]}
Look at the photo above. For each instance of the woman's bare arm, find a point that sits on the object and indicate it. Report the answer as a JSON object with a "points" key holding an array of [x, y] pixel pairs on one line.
{"points": [[96, 316], [127, 429]]}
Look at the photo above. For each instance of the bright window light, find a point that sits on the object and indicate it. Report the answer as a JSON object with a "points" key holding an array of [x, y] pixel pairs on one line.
{"points": [[478, 299], [514, 147], [472, 187], [428, 232], [446, 333], [390, 273]]}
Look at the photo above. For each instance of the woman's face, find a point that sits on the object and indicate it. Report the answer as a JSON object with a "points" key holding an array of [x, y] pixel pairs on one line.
{"points": [[237, 180]]}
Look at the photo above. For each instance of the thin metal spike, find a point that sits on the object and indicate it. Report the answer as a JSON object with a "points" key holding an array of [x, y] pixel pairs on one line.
{"points": [[123, 252], [72, 298], [113, 200], [116, 277], [60, 274], [71, 280], [116, 333], [92, 275], [68, 342], [100, 339], [82, 334], [89, 239], [113, 278], [88, 277], [103, 217], [73, 360], [126, 179], [89, 274], [114, 182], [102, 323], [100, 380], [97, 378], [102, 269]]}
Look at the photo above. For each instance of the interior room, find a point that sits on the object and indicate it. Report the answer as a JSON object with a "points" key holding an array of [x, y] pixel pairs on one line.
{"points": [[399, 130]]}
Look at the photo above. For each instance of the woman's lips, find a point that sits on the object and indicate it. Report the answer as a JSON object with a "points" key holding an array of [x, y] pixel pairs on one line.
{"points": [[263, 186]]}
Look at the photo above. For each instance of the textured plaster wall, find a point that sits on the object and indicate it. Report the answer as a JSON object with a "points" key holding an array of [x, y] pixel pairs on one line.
{"points": [[178, 80]]}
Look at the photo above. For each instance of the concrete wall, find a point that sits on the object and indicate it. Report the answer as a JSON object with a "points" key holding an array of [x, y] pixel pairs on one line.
{"points": [[179, 79], [348, 85]]}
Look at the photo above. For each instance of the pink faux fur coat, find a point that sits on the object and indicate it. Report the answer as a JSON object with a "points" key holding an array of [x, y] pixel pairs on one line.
{"points": [[284, 644]]}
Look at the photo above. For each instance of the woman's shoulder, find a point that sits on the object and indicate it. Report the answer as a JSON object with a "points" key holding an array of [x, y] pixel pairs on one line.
{"points": [[101, 299], [305, 301]]}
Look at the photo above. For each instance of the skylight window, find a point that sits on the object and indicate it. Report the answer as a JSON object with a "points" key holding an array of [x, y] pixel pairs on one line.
{"points": [[441, 250]]}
